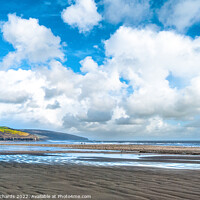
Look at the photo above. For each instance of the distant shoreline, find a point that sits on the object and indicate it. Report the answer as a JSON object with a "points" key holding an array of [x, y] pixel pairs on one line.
{"points": [[123, 148]]}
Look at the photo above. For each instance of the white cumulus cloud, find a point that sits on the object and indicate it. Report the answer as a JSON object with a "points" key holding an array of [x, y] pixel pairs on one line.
{"points": [[31, 41], [180, 14], [127, 11], [129, 96], [145, 58], [83, 15]]}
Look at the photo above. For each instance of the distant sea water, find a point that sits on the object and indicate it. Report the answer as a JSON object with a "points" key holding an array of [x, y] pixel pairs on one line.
{"points": [[155, 143]]}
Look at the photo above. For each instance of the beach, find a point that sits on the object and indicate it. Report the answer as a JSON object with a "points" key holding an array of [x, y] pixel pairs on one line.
{"points": [[102, 172], [98, 182]]}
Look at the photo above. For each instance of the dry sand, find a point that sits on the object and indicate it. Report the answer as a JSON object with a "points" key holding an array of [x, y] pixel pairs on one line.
{"points": [[100, 182]]}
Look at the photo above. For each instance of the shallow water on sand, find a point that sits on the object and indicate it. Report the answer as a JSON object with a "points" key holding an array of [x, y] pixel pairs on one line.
{"points": [[96, 159]]}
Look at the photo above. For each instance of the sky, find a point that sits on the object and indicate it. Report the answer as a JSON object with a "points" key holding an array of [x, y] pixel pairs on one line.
{"points": [[104, 69]]}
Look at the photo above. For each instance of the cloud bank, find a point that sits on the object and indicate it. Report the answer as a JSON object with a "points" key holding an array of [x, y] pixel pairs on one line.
{"points": [[129, 95], [147, 86]]}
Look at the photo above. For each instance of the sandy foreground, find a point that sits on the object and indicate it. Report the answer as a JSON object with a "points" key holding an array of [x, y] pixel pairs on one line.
{"points": [[39, 181], [101, 183]]}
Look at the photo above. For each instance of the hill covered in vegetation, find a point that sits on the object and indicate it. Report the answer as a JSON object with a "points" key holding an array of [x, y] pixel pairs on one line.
{"points": [[7, 133], [53, 135]]}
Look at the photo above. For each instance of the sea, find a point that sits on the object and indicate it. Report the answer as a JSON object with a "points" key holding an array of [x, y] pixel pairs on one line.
{"points": [[97, 158], [155, 143]]}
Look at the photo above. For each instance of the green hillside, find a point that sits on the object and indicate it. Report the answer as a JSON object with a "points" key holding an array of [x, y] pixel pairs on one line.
{"points": [[7, 133]]}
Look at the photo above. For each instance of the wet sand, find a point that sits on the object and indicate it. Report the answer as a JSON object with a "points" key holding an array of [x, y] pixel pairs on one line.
{"points": [[103, 183], [123, 148], [100, 182]]}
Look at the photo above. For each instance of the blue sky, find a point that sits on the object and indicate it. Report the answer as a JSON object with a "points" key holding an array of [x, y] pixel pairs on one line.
{"points": [[49, 14], [124, 69], [78, 45]]}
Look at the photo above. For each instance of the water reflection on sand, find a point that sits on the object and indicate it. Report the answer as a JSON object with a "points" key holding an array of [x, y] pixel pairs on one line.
{"points": [[96, 158]]}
